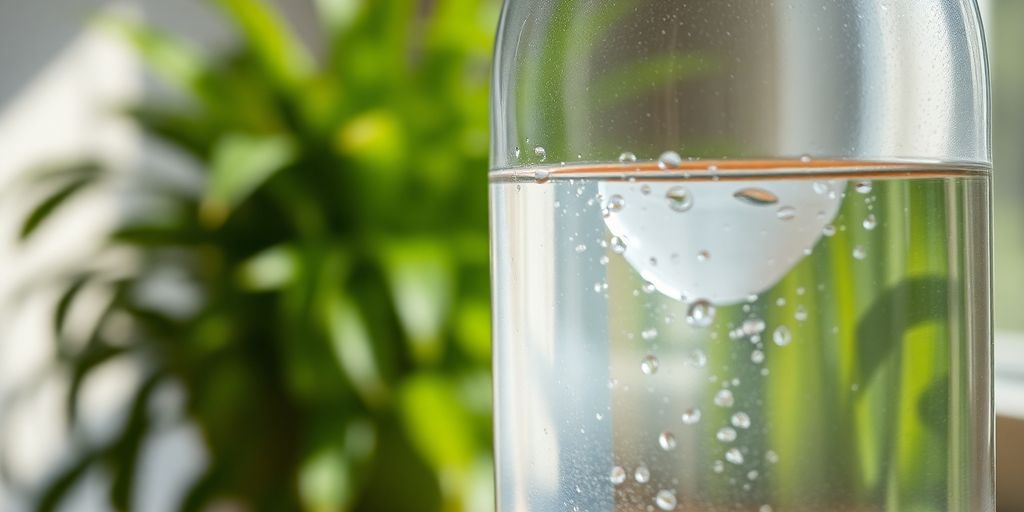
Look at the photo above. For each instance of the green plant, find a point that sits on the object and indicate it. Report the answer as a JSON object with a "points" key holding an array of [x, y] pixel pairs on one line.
{"points": [[336, 354]]}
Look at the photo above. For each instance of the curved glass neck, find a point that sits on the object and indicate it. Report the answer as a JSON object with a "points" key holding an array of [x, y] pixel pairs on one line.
{"points": [[587, 80]]}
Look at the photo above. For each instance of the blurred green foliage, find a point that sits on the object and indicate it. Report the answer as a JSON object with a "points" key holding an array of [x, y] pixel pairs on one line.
{"points": [[335, 352]]}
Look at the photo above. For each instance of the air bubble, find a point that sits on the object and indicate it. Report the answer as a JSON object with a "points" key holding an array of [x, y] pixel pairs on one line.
{"points": [[860, 253], [648, 287], [703, 256], [541, 153], [691, 416], [734, 455], [771, 457], [805, 159], [618, 246], [782, 336], [718, 466], [615, 203], [627, 158], [700, 314], [753, 326], [618, 475], [726, 434], [752, 474], [757, 357], [828, 230], [516, 152], [863, 187], [665, 500], [821, 188], [642, 475], [697, 359], [756, 196], [670, 160], [649, 334], [679, 199], [541, 176], [786, 213], [581, 248], [800, 314], [740, 420], [645, 189], [870, 222], [667, 441], [724, 398], [649, 365]]}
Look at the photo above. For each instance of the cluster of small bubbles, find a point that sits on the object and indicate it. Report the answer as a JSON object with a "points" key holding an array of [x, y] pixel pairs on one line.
{"points": [[679, 199], [617, 245], [645, 189], [541, 153], [648, 287], [860, 253], [697, 359], [618, 475], [600, 287], [752, 474], [665, 500], [805, 159], [615, 203], [726, 434], [642, 475], [718, 466], [734, 455], [670, 160], [771, 457], [649, 365], [691, 416], [740, 420], [828, 230], [782, 336], [649, 334], [627, 158], [703, 256], [821, 188], [753, 326], [700, 314], [724, 398], [870, 222], [667, 441], [756, 196], [786, 213], [800, 314], [863, 187], [581, 248], [757, 357]]}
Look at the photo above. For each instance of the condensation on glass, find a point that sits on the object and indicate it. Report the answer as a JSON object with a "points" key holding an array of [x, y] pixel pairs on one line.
{"points": [[741, 256]]}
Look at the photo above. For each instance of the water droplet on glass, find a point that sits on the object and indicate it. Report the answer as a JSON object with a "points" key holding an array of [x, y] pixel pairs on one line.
{"points": [[724, 398], [828, 230], [697, 359], [726, 435], [786, 213], [581, 248], [800, 314], [703, 256], [691, 416], [649, 365], [649, 334], [618, 475], [618, 246], [615, 203], [863, 187], [782, 336], [679, 199], [718, 466], [670, 160], [757, 357], [756, 196], [870, 222], [700, 314], [627, 158], [541, 153], [859, 252], [667, 441], [665, 500], [740, 420], [642, 475], [734, 456], [771, 457], [805, 159]]}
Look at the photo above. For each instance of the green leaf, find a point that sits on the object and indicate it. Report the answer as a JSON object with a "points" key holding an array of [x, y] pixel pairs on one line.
{"points": [[124, 453], [353, 349], [422, 283], [240, 164], [473, 330], [283, 57], [51, 204], [325, 481], [437, 423], [271, 269]]}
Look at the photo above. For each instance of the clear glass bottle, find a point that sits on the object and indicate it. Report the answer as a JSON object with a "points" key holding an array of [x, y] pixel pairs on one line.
{"points": [[741, 256]]}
